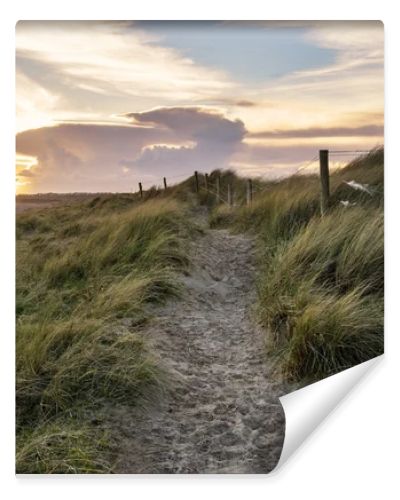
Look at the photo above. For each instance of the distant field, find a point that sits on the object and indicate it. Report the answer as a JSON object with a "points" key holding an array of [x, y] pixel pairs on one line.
{"points": [[22, 206], [24, 202]]}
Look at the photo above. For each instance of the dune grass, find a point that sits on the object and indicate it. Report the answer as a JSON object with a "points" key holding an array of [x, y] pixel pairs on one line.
{"points": [[321, 294], [84, 276], [321, 278], [86, 273], [62, 447]]}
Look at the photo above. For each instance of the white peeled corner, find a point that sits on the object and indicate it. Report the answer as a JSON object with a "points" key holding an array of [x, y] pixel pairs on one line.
{"points": [[306, 408]]}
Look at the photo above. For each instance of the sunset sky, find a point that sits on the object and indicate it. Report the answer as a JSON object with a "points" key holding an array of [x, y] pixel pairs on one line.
{"points": [[104, 105]]}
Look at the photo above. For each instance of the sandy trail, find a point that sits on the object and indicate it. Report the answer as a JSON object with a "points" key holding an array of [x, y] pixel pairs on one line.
{"points": [[223, 413]]}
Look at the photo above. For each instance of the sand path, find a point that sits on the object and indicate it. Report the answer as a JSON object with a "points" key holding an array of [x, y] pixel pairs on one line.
{"points": [[222, 414]]}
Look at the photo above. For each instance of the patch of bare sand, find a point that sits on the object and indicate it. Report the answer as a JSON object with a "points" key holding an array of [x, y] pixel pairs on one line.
{"points": [[222, 414]]}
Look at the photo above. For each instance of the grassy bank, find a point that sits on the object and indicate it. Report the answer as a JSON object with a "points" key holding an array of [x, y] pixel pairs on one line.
{"points": [[321, 279], [86, 273], [84, 276]]}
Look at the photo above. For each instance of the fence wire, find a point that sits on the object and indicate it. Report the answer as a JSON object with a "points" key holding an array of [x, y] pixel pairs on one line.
{"points": [[215, 194], [305, 165]]}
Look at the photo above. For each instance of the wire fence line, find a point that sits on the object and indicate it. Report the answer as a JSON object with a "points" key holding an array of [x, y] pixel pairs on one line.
{"points": [[221, 198], [307, 165], [304, 165], [180, 176], [332, 152], [356, 151], [209, 183]]}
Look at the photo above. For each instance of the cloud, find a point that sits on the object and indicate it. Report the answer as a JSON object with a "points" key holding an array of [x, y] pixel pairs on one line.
{"points": [[364, 131], [245, 104], [325, 96], [75, 80], [200, 123], [88, 70], [92, 68], [214, 137], [359, 42], [279, 160], [25, 173], [160, 142]]}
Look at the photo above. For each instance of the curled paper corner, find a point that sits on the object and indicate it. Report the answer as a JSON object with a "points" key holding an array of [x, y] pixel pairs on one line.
{"points": [[306, 408]]}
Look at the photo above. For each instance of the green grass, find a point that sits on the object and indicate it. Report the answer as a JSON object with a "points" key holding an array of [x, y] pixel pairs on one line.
{"points": [[321, 279], [62, 448], [321, 293], [84, 276]]}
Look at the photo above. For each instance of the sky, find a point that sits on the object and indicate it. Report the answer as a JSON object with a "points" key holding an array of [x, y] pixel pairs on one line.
{"points": [[104, 105]]}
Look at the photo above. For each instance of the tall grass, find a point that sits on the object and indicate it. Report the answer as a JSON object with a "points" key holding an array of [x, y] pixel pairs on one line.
{"points": [[86, 274], [80, 270], [321, 279], [62, 447], [321, 293]]}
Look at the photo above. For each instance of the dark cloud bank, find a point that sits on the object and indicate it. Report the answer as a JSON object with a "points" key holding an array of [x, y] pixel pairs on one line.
{"points": [[364, 131], [162, 142]]}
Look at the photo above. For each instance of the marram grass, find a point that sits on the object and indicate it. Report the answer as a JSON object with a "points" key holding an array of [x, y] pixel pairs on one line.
{"points": [[321, 279], [80, 269], [86, 273]]}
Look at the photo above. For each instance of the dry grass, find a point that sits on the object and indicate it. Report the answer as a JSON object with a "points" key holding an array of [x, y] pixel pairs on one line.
{"points": [[79, 270], [62, 448], [321, 279], [321, 294], [86, 272]]}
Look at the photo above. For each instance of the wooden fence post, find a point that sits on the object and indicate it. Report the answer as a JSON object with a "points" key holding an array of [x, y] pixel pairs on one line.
{"points": [[324, 175], [206, 182], [196, 178], [229, 195], [165, 183], [249, 193], [218, 188], [141, 189]]}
